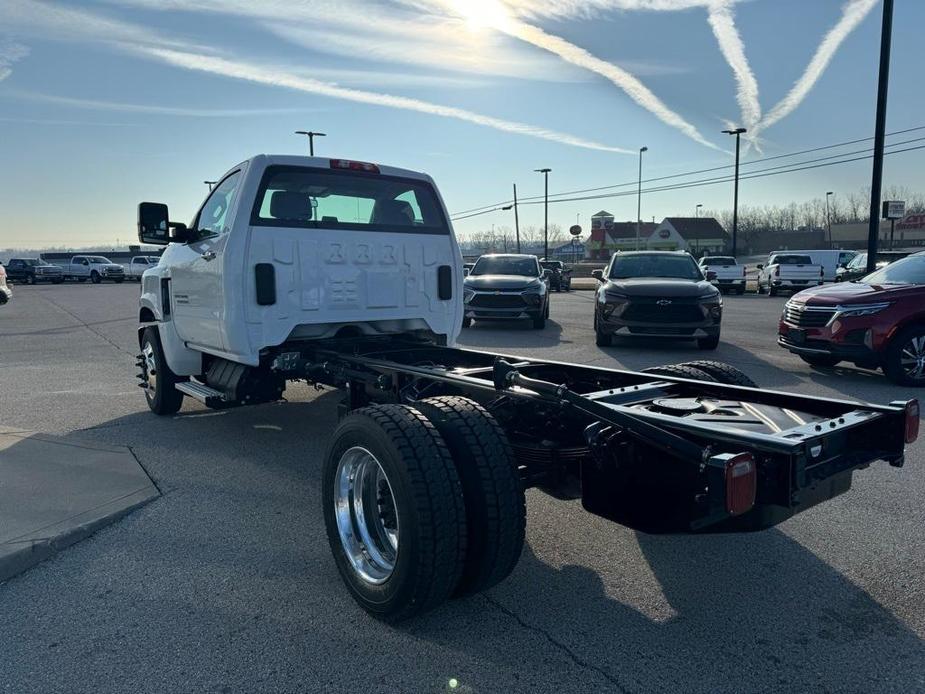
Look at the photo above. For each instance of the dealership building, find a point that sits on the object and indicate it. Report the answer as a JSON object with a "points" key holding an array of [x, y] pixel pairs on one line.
{"points": [[698, 235]]}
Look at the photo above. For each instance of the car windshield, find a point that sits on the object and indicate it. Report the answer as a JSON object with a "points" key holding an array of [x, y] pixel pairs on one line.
{"points": [[680, 267], [909, 270], [98, 259], [719, 260], [32, 262], [505, 265], [791, 260]]}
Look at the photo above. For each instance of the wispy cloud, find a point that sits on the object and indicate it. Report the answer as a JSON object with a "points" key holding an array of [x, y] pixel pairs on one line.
{"points": [[722, 21], [122, 107], [853, 13], [277, 77], [10, 52]]}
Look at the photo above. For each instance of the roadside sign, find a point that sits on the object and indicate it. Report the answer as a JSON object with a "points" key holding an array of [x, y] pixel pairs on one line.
{"points": [[894, 209], [575, 230]]}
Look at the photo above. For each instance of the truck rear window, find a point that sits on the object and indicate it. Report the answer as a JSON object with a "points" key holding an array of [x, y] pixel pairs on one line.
{"points": [[791, 260], [293, 196]]}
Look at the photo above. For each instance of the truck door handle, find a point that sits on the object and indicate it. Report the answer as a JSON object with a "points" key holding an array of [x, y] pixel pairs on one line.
{"points": [[208, 255]]}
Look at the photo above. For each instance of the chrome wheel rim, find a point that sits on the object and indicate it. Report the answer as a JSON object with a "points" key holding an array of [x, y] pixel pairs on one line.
{"points": [[367, 520], [150, 370], [912, 358]]}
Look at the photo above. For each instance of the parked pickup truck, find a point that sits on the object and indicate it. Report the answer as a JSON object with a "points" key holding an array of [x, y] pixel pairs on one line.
{"points": [[727, 275], [347, 275], [95, 268], [32, 271], [139, 264], [788, 271]]}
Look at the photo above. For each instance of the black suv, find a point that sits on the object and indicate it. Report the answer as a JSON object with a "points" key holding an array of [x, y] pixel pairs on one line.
{"points": [[506, 286], [560, 274], [32, 270], [657, 294]]}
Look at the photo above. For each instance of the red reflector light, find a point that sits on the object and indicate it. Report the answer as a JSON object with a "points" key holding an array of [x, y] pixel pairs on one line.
{"points": [[349, 165], [741, 483], [912, 420]]}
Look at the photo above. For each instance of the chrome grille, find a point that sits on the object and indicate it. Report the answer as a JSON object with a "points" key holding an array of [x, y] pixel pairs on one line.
{"points": [[804, 316]]}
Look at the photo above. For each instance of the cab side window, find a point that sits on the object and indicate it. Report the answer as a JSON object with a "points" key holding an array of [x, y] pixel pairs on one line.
{"points": [[214, 211]]}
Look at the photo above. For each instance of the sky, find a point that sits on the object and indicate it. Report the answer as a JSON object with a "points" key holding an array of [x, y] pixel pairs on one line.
{"points": [[105, 104]]}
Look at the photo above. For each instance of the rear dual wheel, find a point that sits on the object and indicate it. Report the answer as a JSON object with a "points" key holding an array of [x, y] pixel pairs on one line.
{"points": [[421, 504]]}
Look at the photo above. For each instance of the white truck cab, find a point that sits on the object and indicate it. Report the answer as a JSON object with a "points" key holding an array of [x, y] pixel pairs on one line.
{"points": [[290, 248]]}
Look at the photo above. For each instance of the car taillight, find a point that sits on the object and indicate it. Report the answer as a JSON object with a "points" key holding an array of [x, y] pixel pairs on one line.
{"points": [[912, 420], [741, 483], [350, 165], [777, 271]]}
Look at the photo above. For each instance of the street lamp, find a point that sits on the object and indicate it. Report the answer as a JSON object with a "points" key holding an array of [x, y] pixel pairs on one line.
{"points": [[545, 173], [639, 197], [828, 218], [311, 139], [735, 199], [516, 220], [210, 184], [697, 209]]}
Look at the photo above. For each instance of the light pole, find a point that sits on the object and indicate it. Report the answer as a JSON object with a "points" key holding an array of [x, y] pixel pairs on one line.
{"points": [[516, 220], [210, 184], [545, 173], [639, 197], [735, 197], [873, 232], [311, 139], [697, 209], [828, 217]]}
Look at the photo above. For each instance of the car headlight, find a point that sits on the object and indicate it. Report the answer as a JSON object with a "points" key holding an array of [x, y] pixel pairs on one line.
{"points": [[712, 296], [861, 310], [537, 288], [615, 297]]}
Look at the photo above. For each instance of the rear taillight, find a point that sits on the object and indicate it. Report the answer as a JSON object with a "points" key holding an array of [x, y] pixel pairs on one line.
{"points": [[912, 420], [777, 271], [741, 483], [350, 165]]}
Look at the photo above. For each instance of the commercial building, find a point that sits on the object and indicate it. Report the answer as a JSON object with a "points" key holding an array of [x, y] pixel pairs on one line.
{"points": [[697, 235]]}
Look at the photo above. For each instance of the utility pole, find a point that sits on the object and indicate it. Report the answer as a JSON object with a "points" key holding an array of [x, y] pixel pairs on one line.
{"points": [[873, 232], [735, 197], [311, 139], [828, 216], [639, 197], [210, 184], [545, 173]]}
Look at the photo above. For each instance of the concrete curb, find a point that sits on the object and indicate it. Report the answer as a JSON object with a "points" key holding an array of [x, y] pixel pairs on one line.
{"points": [[56, 491]]}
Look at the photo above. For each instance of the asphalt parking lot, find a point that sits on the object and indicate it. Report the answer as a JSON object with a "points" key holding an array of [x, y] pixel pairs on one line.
{"points": [[225, 583]]}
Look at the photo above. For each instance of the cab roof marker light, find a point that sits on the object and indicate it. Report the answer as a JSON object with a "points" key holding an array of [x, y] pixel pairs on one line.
{"points": [[350, 165]]}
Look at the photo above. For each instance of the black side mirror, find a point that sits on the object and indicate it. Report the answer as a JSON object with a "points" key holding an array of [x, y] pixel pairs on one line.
{"points": [[598, 275], [760, 266], [153, 224], [711, 276]]}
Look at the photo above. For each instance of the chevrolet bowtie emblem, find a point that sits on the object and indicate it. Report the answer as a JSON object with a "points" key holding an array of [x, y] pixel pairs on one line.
{"points": [[663, 302]]}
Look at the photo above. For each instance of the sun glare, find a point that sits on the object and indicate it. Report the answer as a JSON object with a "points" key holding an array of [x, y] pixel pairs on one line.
{"points": [[482, 14]]}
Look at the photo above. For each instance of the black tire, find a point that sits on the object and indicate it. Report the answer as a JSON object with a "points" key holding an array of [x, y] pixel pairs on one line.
{"points": [[539, 322], [467, 322], [496, 513], [58, 281], [741, 291], [722, 373], [81, 279], [162, 397], [680, 371], [820, 360], [428, 505], [711, 342], [30, 279], [95, 277], [905, 343], [772, 291], [602, 339]]}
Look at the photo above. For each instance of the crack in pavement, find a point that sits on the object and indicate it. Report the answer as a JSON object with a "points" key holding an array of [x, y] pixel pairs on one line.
{"points": [[87, 326], [558, 644]]}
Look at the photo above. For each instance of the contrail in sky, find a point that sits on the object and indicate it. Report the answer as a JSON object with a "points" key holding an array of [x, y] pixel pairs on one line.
{"points": [[722, 21], [853, 13], [275, 77]]}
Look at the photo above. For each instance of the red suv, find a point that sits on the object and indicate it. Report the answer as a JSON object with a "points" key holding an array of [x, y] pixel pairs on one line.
{"points": [[877, 321]]}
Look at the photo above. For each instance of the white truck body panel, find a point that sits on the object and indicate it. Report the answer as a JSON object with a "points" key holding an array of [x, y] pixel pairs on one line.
{"points": [[325, 279], [729, 274], [830, 260]]}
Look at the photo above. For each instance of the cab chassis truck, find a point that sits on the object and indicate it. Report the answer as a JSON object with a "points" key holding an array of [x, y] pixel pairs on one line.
{"points": [[424, 477]]}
